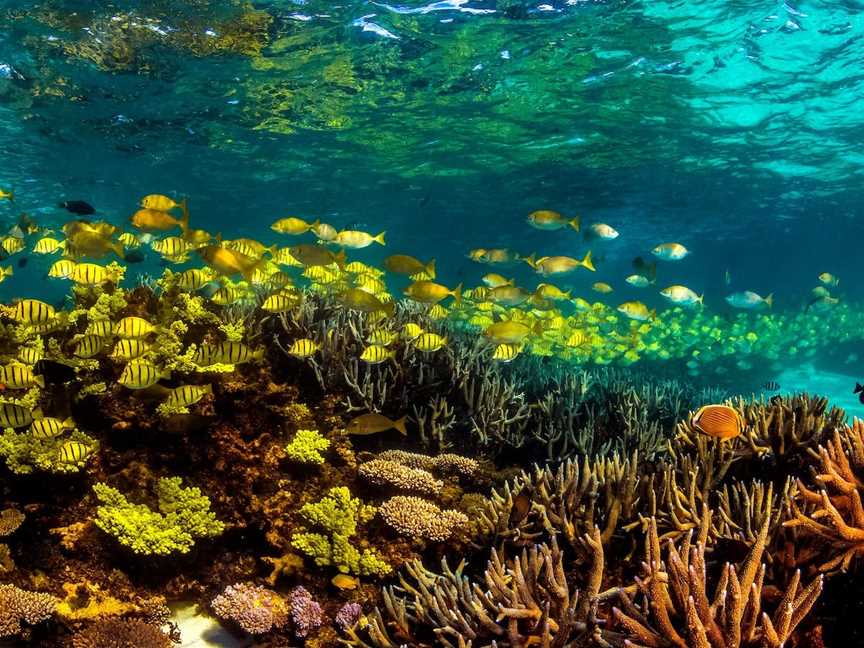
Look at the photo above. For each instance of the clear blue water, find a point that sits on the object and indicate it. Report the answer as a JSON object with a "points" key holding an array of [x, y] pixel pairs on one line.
{"points": [[733, 128]]}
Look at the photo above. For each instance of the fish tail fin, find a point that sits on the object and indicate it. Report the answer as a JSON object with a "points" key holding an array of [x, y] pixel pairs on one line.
{"points": [[379, 238], [257, 354], [430, 268], [340, 259], [11, 196], [400, 425], [6, 272], [457, 294], [575, 222], [531, 260], [184, 219], [68, 423], [314, 224], [39, 380], [586, 262], [37, 414], [700, 299], [769, 300], [273, 250], [653, 314]]}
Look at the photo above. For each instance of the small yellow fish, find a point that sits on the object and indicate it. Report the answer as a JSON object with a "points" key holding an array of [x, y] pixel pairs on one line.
{"points": [[357, 240], [48, 245], [375, 423], [129, 240], [16, 416], [560, 264], [309, 254], [376, 354], [345, 582], [437, 312], [7, 195], [102, 327], [74, 453], [130, 349], [62, 269], [49, 428], [194, 279], [637, 311], [89, 346], [227, 353], [408, 265], [155, 220], [303, 348], [141, 374], [508, 332], [601, 287], [91, 274], [411, 330], [681, 295], [670, 251], [548, 291], [292, 225], [499, 256], [187, 395], [545, 219], [360, 300], [20, 376], [324, 231], [509, 295], [280, 302], [29, 355], [506, 352], [12, 244], [828, 279], [161, 203], [172, 247], [429, 292], [133, 327], [33, 311], [429, 342], [494, 280], [381, 337]]}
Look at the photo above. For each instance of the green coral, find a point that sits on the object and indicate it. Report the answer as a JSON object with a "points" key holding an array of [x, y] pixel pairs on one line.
{"points": [[338, 514], [25, 453], [234, 332], [93, 389], [307, 446], [184, 515]]}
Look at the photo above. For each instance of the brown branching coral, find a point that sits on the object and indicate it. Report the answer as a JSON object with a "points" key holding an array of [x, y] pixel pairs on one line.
{"points": [[517, 603], [672, 606], [18, 606], [121, 633], [834, 513], [443, 464], [568, 501]]}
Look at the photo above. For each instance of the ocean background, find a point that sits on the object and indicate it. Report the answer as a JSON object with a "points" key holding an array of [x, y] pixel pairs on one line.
{"points": [[731, 128]]}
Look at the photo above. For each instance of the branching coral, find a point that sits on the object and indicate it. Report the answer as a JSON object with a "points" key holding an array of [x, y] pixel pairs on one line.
{"points": [[307, 446], [121, 633], [338, 515], [382, 472], [673, 608], [253, 608], [24, 452], [834, 513], [306, 613], [18, 606], [517, 603], [183, 516]]}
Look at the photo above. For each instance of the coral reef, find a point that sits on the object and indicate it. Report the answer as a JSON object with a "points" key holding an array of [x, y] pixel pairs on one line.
{"points": [[307, 446], [121, 633], [306, 613], [253, 608], [421, 519], [18, 606]]}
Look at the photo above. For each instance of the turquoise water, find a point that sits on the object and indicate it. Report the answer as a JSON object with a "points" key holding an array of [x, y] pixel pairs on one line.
{"points": [[729, 128]]}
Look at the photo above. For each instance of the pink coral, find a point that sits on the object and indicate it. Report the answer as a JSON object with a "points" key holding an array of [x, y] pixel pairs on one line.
{"points": [[306, 613], [348, 616], [254, 608]]}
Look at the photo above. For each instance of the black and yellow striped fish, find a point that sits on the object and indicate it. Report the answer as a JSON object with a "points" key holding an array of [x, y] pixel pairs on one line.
{"points": [[102, 328], [280, 302], [226, 353], [141, 374], [90, 274], [193, 279], [89, 346], [29, 355], [303, 348], [186, 395], [133, 327], [16, 416], [74, 452], [33, 311], [50, 427], [20, 376], [129, 349]]}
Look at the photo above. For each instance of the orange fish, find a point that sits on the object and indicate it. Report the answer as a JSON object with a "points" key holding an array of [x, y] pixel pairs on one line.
{"points": [[720, 421]]}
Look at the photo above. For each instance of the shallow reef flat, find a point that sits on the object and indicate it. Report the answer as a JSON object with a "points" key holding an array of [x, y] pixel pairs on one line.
{"points": [[528, 504]]}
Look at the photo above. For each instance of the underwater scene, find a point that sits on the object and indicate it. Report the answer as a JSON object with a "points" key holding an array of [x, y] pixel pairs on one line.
{"points": [[460, 324]]}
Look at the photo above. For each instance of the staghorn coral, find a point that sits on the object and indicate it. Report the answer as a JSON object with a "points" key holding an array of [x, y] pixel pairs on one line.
{"points": [[833, 513], [382, 472], [18, 606], [307, 446], [568, 501], [420, 519], [516, 602], [121, 633], [253, 608], [183, 516], [672, 605], [338, 515]]}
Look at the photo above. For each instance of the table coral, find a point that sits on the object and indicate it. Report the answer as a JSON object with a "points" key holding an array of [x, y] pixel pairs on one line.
{"points": [[418, 518]]}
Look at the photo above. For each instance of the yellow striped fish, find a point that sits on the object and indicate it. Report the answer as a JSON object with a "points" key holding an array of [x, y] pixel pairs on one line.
{"points": [[141, 374], [74, 453], [280, 302], [381, 337], [48, 245], [49, 427], [89, 346], [129, 349], [226, 353], [227, 295], [20, 376], [90, 274], [411, 331], [12, 244], [438, 312], [102, 328], [193, 279], [29, 355], [133, 327], [506, 352], [16, 416], [283, 257], [186, 395], [129, 240], [429, 342], [5, 272], [174, 247], [33, 311], [303, 348], [62, 269], [376, 354]]}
